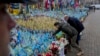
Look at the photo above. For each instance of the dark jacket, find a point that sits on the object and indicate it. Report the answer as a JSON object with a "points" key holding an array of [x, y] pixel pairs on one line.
{"points": [[76, 24], [66, 28]]}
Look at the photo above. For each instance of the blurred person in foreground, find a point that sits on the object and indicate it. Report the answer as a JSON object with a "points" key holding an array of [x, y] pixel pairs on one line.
{"points": [[74, 22], [6, 24], [71, 32]]}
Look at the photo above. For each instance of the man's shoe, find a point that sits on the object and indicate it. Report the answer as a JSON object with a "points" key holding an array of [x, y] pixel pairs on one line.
{"points": [[80, 53]]}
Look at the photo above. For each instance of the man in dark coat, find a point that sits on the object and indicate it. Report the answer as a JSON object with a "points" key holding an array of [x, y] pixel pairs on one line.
{"points": [[71, 32], [76, 24]]}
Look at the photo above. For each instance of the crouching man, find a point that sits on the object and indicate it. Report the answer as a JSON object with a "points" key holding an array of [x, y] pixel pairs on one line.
{"points": [[72, 35]]}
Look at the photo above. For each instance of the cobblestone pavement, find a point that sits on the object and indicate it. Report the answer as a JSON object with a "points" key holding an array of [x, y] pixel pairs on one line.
{"points": [[90, 42]]}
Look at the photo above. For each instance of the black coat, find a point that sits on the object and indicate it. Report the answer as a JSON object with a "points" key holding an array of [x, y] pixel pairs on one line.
{"points": [[76, 24], [67, 29]]}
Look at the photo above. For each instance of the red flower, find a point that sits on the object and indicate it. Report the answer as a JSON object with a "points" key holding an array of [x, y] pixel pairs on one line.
{"points": [[48, 54]]}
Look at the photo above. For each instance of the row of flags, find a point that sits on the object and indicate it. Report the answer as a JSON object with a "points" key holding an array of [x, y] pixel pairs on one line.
{"points": [[48, 3], [55, 3]]}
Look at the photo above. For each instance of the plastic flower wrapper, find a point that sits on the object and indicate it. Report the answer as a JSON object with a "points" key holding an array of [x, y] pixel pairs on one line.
{"points": [[24, 43], [36, 52], [61, 49], [29, 51], [21, 53], [59, 35], [33, 47], [12, 52], [42, 49], [18, 50], [33, 39], [13, 44]]}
